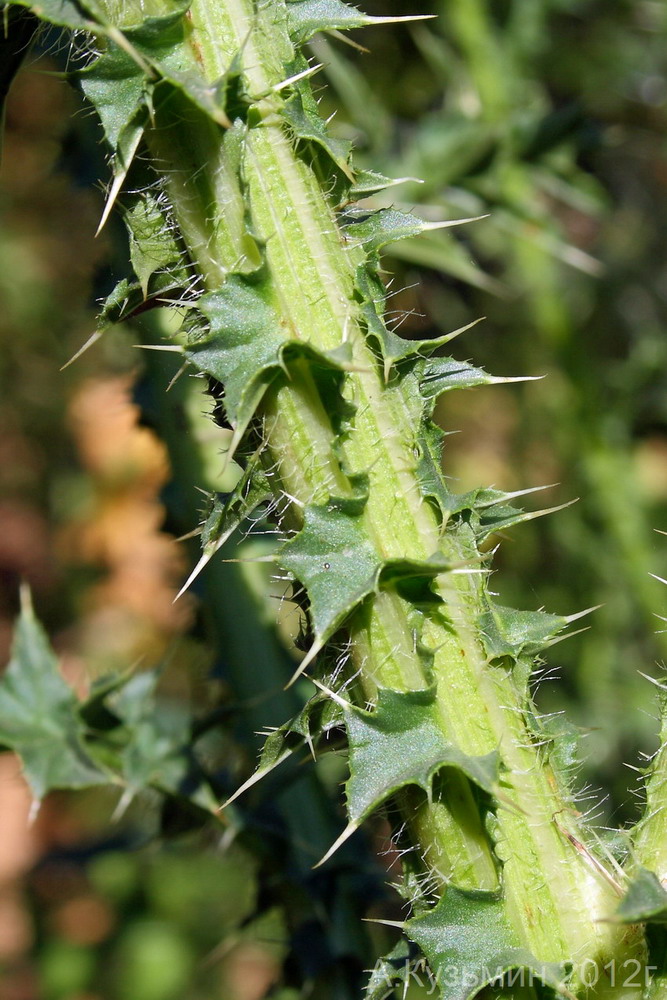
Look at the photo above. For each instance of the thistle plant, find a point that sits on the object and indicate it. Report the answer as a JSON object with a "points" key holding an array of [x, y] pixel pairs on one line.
{"points": [[250, 220]]}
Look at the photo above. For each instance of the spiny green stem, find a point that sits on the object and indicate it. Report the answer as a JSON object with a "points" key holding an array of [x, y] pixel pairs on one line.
{"points": [[249, 206], [481, 709], [650, 835]]}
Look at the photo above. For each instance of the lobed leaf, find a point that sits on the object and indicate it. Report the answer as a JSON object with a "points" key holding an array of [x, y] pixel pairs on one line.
{"points": [[333, 558], [39, 715], [248, 346], [507, 632], [470, 944], [318, 716], [339, 567], [401, 742], [393, 348], [389, 971], [301, 114], [438, 375], [385, 226], [306, 17], [154, 248], [231, 509]]}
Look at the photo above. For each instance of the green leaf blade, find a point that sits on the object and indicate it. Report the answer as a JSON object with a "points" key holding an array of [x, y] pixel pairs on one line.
{"points": [[469, 944], [402, 743], [39, 718], [337, 564]]}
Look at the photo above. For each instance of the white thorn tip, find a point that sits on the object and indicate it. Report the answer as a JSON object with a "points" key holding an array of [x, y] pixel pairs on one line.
{"points": [[297, 76], [118, 181], [516, 494], [653, 680], [170, 348], [82, 350], [111, 201], [25, 597], [345, 835], [500, 379], [253, 779], [33, 813], [305, 663], [448, 223], [462, 329], [385, 923], [203, 562], [581, 614], [401, 18], [332, 694], [564, 636], [123, 804]]}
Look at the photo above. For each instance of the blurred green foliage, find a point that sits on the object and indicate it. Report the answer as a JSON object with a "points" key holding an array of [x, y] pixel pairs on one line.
{"points": [[548, 118]]}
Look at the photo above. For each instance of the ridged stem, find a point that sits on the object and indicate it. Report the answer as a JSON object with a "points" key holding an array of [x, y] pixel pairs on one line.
{"points": [[556, 899]]}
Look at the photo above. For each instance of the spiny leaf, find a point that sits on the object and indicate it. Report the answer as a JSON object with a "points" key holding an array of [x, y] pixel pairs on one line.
{"points": [[243, 347], [318, 716], [38, 715], [389, 971], [228, 512], [247, 346], [153, 245], [336, 563], [645, 901], [421, 380], [339, 566], [120, 303], [385, 226], [306, 17], [429, 471], [301, 113], [392, 347], [438, 375], [130, 75], [491, 512], [469, 944], [368, 182], [117, 88], [388, 225], [401, 742], [507, 632], [231, 509]]}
